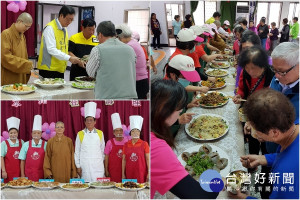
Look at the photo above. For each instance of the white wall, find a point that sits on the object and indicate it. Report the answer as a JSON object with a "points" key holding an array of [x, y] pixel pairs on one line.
{"points": [[114, 10], [158, 7]]}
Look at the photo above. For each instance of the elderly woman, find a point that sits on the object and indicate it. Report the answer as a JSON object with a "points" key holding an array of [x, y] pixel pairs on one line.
{"points": [[135, 162], [286, 80], [176, 25], [142, 83], [33, 152], [168, 98], [59, 157], [10, 148], [272, 115]]}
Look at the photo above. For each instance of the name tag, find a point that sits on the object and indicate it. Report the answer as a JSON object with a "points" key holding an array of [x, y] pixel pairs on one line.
{"points": [[103, 179], [15, 178], [95, 40], [77, 180], [46, 180], [129, 180]]}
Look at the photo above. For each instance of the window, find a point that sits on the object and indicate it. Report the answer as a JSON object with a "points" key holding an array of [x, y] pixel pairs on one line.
{"points": [[204, 11], [242, 3], [138, 21], [271, 11], [293, 11]]}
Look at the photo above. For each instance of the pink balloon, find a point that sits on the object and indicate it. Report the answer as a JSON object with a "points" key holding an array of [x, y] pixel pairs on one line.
{"points": [[82, 111], [13, 7], [52, 134], [22, 5], [45, 136], [52, 126], [98, 112], [5, 134], [45, 126], [2, 139]]}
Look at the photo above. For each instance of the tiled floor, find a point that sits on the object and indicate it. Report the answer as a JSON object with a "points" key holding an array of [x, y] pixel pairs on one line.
{"points": [[160, 66]]}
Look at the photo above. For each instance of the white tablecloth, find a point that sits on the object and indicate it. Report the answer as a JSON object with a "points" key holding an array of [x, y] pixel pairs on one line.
{"points": [[232, 143]]}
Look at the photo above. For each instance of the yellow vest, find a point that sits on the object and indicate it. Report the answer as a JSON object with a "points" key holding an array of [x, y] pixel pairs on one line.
{"points": [[81, 135], [49, 62]]}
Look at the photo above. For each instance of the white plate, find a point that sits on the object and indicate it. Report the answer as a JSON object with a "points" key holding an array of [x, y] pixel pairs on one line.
{"points": [[78, 85], [195, 117], [74, 189], [204, 106], [48, 86], [129, 189], [22, 92], [102, 187], [216, 66], [224, 172], [215, 88], [45, 188], [19, 187], [218, 75]]}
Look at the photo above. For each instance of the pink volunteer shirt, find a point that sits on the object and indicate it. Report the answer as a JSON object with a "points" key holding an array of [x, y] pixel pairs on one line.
{"points": [[108, 146], [166, 170], [141, 66]]}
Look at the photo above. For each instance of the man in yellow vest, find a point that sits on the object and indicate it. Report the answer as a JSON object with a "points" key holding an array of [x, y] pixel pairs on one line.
{"points": [[53, 55], [89, 147]]}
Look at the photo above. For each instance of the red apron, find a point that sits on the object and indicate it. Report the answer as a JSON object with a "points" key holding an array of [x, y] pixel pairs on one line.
{"points": [[12, 162], [115, 162], [34, 162], [136, 167]]}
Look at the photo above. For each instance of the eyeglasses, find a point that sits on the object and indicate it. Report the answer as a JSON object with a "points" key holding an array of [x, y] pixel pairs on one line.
{"points": [[27, 27], [282, 73]]}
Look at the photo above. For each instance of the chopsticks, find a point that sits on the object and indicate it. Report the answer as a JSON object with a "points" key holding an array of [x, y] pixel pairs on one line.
{"points": [[239, 99]]}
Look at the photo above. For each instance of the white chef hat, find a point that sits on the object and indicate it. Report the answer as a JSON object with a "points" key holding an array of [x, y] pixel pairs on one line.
{"points": [[37, 123], [13, 122], [136, 121], [116, 121], [90, 109]]}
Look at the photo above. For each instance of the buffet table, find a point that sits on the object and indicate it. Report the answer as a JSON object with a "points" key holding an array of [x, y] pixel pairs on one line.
{"points": [[63, 92], [91, 193], [232, 143]]}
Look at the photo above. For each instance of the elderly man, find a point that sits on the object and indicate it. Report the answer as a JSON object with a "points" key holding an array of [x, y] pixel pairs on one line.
{"points": [[89, 147], [113, 65], [33, 152], [15, 66], [285, 59], [53, 55]]}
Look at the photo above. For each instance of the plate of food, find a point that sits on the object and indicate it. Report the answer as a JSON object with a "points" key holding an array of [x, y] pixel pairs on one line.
{"points": [[109, 184], [130, 186], [236, 179], [216, 72], [20, 183], [207, 127], [212, 99], [18, 88], [219, 84], [85, 79], [147, 184], [199, 158], [83, 85], [223, 58], [45, 185], [3, 185], [220, 65], [50, 82], [75, 186]]}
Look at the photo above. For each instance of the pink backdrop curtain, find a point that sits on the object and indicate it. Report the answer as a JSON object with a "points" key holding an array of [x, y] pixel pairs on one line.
{"points": [[9, 17], [54, 111]]}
